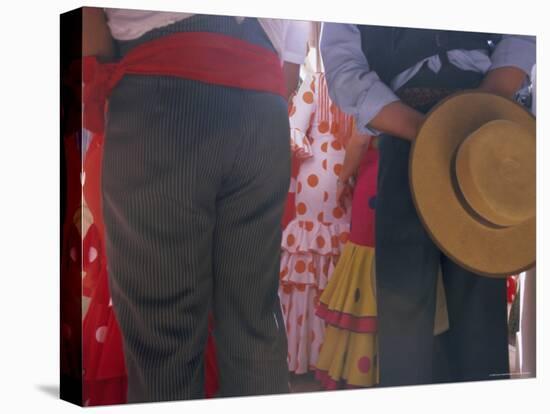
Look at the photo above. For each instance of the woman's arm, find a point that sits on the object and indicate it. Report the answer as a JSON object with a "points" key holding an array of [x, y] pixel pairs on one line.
{"points": [[355, 149], [302, 106]]}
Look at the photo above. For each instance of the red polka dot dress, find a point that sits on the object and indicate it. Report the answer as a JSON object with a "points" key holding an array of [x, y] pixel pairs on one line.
{"points": [[312, 242], [104, 370], [71, 275]]}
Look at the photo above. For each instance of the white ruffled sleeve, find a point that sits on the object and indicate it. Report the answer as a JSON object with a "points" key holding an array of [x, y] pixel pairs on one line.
{"points": [[301, 111]]}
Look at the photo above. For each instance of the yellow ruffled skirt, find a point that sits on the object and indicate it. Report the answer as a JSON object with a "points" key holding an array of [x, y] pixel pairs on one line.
{"points": [[348, 357], [349, 354]]}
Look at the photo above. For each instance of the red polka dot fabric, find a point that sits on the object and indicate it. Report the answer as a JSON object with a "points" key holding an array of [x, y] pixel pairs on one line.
{"points": [[313, 240]]}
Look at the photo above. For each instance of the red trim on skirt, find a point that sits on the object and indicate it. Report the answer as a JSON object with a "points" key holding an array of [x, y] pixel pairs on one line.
{"points": [[365, 324]]}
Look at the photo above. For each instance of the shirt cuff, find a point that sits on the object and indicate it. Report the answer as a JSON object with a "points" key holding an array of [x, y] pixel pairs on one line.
{"points": [[516, 51], [377, 97]]}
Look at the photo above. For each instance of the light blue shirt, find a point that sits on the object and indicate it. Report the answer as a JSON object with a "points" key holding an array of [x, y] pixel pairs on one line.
{"points": [[358, 90]]}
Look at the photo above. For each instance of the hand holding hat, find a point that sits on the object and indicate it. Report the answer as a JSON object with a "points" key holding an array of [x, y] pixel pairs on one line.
{"points": [[473, 180]]}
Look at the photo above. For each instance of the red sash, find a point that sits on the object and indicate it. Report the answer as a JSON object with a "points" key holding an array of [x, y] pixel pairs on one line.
{"points": [[207, 57]]}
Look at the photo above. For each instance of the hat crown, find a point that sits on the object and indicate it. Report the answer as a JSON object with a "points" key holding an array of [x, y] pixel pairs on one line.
{"points": [[495, 172]]}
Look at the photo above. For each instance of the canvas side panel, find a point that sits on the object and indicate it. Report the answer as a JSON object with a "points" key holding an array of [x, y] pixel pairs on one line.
{"points": [[71, 207]]}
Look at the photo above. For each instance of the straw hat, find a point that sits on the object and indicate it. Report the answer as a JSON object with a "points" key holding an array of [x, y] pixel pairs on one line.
{"points": [[473, 180]]}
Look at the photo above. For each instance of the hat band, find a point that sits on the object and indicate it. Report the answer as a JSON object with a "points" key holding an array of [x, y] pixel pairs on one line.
{"points": [[465, 204]]}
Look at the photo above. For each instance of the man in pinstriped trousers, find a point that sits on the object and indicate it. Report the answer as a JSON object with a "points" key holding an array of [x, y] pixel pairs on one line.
{"points": [[194, 180]]}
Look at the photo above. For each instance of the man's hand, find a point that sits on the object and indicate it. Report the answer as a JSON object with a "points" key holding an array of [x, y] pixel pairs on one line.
{"points": [[505, 81]]}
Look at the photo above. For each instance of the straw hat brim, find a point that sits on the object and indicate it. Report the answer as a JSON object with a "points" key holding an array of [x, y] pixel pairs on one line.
{"points": [[479, 247]]}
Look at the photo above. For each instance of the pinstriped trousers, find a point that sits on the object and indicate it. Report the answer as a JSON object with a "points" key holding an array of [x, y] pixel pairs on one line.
{"points": [[194, 182]]}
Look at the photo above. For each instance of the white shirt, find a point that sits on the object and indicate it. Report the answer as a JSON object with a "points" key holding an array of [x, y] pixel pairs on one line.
{"points": [[296, 36], [289, 38]]}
